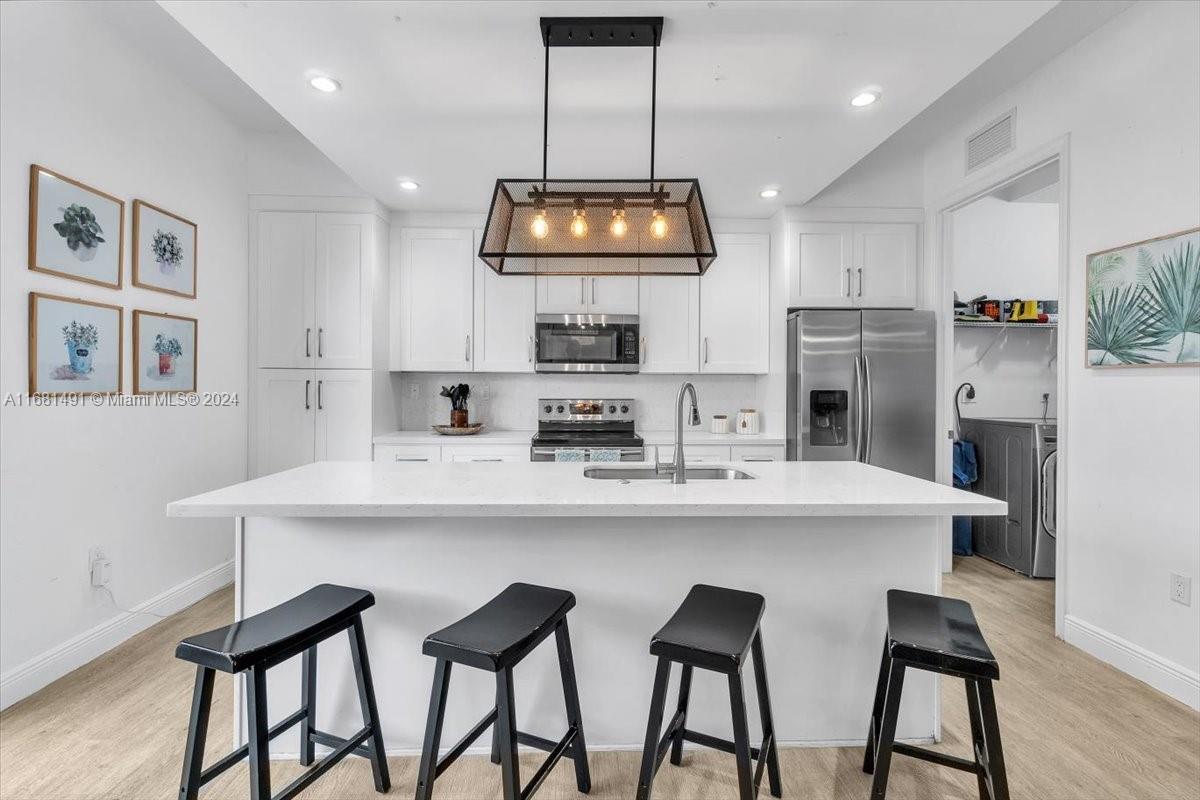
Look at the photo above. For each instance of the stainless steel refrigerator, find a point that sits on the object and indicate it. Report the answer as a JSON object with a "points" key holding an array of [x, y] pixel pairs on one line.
{"points": [[861, 387]]}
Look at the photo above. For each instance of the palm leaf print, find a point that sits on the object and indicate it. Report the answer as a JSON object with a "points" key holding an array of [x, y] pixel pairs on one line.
{"points": [[1123, 327], [1173, 289]]}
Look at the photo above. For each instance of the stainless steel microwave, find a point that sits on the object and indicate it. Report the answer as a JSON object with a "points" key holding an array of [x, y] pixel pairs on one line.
{"points": [[587, 343]]}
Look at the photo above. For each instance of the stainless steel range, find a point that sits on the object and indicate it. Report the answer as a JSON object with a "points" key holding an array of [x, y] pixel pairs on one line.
{"points": [[596, 428]]}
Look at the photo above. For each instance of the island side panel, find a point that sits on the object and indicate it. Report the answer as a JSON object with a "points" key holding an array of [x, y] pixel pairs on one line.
{"points": [[824, 580]]}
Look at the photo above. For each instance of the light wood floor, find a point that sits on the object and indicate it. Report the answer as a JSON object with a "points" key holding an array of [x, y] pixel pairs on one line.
{"points": [[1072, 728]]}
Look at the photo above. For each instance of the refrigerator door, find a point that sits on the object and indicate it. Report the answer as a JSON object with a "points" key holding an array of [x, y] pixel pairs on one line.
{"points": [[899, 364], [824, 376]]}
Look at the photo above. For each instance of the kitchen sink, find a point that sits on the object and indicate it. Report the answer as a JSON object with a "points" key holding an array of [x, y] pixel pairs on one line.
{"points": [[651, 474]]}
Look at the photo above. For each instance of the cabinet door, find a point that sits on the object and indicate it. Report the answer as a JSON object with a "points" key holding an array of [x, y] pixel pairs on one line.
{"points": [[407, 453], [345, 244], [285, 405], [670, 323], [759, 452], [437, 271], [885, 258], [694, 453], [343, 406], [504, 311], [562, 294], [284, 282], [734, 306], [612, 294], [467, 453], [820, 258]]}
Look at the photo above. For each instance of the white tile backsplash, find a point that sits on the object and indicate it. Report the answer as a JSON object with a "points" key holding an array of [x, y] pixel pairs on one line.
{"points": [[508, 401]]}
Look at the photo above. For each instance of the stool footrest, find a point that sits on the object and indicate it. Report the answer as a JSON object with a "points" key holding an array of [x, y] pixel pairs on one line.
{"points": [[488, 720], [724, 745], [329, 740], [555, 754], [321, 767], [673, 728], [954, 762], [244, 751], [540, 743]]}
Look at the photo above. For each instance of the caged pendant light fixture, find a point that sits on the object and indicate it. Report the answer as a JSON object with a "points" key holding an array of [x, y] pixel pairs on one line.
{"points": [[646, 226]]}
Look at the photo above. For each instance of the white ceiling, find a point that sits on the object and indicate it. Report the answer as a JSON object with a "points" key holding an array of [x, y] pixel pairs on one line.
{"points": [[749, 93]]}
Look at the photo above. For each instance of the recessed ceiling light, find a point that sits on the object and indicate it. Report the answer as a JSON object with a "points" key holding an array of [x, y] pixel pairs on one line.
{"points": [[324, 83], [769, 192], [865, 98], [409, 185]]}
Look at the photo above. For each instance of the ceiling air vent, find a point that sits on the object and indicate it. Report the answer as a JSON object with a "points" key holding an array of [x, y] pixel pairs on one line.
{"points": [[990, 142]]}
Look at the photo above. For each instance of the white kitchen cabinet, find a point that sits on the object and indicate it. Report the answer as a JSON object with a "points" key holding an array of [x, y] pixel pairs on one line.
{"points": [[484, 452], [757, 452], [670, 324], [694, 453], [613, 294], [504, 312], [584, 294], [418, 453], [433, 301], [305, 415], [344, 255], [852, 265], [735, 306], [285, 267]]}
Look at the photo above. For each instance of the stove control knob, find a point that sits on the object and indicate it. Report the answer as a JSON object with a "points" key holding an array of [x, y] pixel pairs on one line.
{"points": [[546, 408], [612, 409], [559, 409], [624, 409]]}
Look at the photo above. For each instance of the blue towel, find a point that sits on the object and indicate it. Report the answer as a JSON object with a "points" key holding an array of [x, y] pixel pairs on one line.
{"points": [[966, 472]]}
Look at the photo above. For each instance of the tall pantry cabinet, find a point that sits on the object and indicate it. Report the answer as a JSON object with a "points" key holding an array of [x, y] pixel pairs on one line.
{"points": [[315, 276]]}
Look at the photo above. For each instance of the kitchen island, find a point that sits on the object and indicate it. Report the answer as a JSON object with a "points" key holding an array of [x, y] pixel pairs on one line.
{"points": [[822, 541]]}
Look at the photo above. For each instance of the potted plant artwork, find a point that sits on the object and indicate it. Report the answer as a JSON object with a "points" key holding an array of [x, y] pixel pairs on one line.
{"points": [[80, 229], [168, 350], [81, 341], [168, 251]]}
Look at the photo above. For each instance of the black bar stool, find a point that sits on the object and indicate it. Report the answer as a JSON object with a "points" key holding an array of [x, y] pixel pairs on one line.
{"points": [[714, 629], [495, 638], [260, 642], [940, 635]]}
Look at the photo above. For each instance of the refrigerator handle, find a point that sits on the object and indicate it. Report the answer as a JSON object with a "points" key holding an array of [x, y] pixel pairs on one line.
{"points": [[869, 407], [859, 400]]}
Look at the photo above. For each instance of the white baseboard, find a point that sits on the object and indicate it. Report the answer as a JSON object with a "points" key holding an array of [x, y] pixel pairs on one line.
{"points": [[25, 679], [1168, 677]]}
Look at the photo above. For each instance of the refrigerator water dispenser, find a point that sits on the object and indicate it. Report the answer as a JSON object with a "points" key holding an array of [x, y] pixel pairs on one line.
{"points": [[828, 417]]}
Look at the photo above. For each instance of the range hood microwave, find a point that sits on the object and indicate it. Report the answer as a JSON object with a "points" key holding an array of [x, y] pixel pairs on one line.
{"points": [[587, 343]]}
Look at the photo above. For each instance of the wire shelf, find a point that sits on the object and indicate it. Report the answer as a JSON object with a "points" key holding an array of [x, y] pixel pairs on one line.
{"points": [[999, 325]]}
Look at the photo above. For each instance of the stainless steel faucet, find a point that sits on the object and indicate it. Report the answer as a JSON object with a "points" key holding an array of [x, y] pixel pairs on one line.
{"points": [[693, 419]]}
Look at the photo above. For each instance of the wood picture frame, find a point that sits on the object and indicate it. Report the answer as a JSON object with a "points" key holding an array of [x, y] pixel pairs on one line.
{"points": [[155, 371], [52, 244], [178, 278], [70, 376]]}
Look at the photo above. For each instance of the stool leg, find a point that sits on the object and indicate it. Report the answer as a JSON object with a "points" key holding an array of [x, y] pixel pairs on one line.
{"points": [[496, 740], [741, 737], [768, 720], [308, 697], [433, 730], [887, 729], [506, 719], [991, 736], [366, 700], [566, 666], [685, 692], [653, 727], [260, 756], [978, 744], [876, 711], [193, 752]]}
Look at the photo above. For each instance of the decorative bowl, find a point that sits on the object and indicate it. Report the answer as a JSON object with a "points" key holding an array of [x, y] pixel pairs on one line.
{"points": [[447, 430]]}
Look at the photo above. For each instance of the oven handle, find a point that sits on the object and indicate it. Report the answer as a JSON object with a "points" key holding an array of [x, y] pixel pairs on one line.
{"points": [[625, 451]]}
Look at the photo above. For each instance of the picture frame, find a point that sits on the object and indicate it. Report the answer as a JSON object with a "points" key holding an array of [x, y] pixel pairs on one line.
{"points": [[1141, 301], [160, 342], [93, 336], [76, 231], [164, 250]]}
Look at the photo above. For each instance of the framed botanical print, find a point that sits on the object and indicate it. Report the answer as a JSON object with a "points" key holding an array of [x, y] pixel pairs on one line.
{"points": [[74, 346], [75, 231], [1143, 303], [164, 353], [164, 250]]}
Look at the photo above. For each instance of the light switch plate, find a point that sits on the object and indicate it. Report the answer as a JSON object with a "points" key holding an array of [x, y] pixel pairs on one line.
{"points": [[1181, 589]]}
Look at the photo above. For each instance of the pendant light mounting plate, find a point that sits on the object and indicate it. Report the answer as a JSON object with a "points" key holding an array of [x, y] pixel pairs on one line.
{"points": [[601, 31]]}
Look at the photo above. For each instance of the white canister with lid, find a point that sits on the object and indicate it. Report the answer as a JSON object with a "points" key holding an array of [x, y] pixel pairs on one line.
{"points": [[719, 424], [747, 421]]}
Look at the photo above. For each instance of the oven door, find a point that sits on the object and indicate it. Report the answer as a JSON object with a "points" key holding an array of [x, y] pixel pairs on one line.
{"points": [[587, 343]]}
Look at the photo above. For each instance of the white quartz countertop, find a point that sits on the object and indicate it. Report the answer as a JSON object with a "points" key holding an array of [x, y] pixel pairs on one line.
{"points": [[498, 437], [487, 489]]}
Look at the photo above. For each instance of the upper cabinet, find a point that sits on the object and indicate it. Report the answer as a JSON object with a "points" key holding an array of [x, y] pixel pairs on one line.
{"points": [[433, 301], [313, 289], [735, 306], [852, 265], [583, 294], [504, 312], [670, 323]]}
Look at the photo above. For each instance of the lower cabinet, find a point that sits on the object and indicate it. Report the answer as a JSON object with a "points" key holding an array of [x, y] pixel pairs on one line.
{"points": [[305, 415], [712, 454], [432, 453], [408, 453]]}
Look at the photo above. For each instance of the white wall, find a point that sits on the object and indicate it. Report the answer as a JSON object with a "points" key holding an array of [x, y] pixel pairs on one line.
{"points": [[84, 102], [1010, 368], [1132, 114], [1005, 249], [289, 164]]}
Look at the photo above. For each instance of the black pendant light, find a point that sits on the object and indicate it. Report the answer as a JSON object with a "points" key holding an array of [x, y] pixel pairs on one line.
{"points": [[601, 226]]}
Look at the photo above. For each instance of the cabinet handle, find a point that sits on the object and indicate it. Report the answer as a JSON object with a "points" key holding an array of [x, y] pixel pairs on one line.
{"points": [[307, 394], [467, 351], [582, 300], [643, 349], [320, 407], [848, 281], [705, 349], [593, 291], [860, 281], [320, 342], [481, 460], [412, 458], [529, 351], [758, 458], [308, 342]]}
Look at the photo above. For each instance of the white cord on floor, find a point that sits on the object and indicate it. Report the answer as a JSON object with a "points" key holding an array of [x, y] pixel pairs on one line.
{"points": [[112, 599]]}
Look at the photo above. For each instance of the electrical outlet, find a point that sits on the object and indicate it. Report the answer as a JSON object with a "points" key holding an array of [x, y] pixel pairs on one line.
{"points": [[485, 392], [99, 567], [414, 391], [1181, 589]]}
